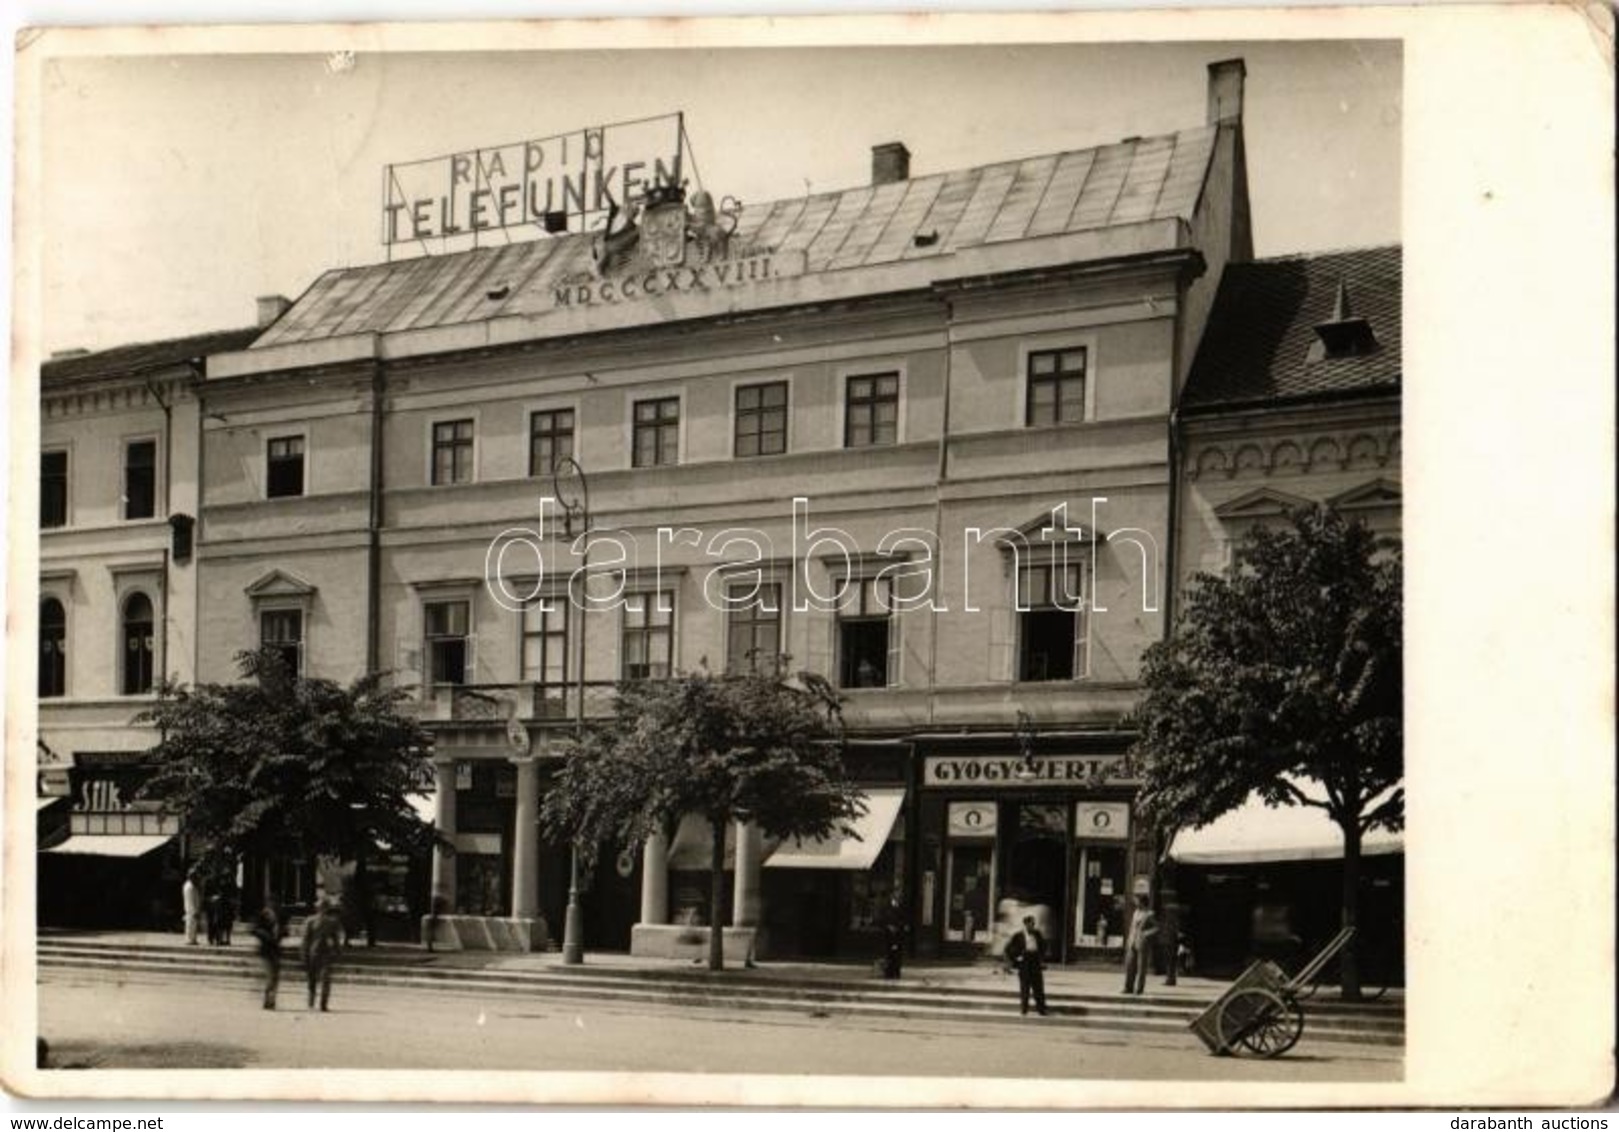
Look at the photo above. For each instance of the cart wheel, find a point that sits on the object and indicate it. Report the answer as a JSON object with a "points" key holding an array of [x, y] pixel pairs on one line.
{"points": [[1261, 1022]]}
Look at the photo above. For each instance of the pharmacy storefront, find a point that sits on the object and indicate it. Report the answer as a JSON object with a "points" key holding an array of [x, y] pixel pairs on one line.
{"points": [[1051, 835]]}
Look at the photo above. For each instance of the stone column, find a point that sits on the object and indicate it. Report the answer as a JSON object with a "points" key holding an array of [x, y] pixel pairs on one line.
{"points": [[444, 822], [526, 840], [655, 880], [749, 856]]}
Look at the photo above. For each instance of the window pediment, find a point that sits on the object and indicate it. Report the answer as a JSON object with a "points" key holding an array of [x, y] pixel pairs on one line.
{"points": [[280, 584], [1261, 503], [1379, 493]]}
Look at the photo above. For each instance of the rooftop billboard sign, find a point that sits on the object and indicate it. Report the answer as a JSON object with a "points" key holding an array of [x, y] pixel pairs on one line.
{"points": [[563, 183]]}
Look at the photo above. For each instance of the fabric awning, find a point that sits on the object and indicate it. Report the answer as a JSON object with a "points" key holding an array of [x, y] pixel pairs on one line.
{"points": [[41, 803], [1255, 833], [693, 844], [112, 844], [838, 851]]}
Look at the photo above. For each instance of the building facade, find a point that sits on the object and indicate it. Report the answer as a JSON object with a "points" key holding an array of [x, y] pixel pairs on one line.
{"points": [[914, 435], [117, 613], [1293, 401]]}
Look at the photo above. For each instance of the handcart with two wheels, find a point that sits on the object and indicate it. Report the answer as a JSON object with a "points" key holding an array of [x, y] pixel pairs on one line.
{"points": [[1259, 1014]]}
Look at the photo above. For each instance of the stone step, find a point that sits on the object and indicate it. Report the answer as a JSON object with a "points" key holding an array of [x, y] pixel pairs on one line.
{"points": [[960, 1003], [1387, 1013]]}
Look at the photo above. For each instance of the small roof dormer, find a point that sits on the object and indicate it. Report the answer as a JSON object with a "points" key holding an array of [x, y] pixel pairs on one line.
{"points": [[1343, 335]]}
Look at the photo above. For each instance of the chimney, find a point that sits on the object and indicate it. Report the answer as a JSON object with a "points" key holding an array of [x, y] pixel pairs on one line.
{"points": [[890, 162], [1225, 91], [272, 307]]}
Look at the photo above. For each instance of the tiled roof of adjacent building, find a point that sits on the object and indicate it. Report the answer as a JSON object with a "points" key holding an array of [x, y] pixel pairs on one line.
{"points": [[1129, 182], [1261, 331], [124, 360]]}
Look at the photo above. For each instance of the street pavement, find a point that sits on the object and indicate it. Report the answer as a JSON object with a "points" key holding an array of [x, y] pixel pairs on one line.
{"points": [[1091, 979], [111, 1020]]}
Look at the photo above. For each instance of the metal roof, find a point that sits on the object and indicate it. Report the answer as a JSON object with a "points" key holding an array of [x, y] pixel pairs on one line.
{"points": [[123, 361], [1142, 179]]}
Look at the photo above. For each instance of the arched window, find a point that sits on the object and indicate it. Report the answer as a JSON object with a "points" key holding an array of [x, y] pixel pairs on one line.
{"points": [[52, 648], [138, 644]]}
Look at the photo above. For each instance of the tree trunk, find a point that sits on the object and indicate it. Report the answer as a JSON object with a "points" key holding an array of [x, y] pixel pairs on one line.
{"points": [[716, 899], [1348, 967]]}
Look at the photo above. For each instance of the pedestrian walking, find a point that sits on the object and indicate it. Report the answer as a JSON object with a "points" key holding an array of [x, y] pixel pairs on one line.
{"points": [[437, 906], [213, 913], [1137, 948], [191, 897], [323, 939], [893, 937], [227, 911], [1026, 951], [267, 931]]}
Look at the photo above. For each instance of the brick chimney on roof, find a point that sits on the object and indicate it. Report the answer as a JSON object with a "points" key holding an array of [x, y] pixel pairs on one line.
{"points": [[890, 162], [272, 307], [1225, 91]]}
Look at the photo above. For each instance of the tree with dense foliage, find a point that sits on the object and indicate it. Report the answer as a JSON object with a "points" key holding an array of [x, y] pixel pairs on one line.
{"points": [[756, 748], [279, 764], [1284, 679]]}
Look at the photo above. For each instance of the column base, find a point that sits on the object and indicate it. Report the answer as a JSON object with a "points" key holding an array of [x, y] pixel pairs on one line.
{"points": [[487, 933], [681, 941]]}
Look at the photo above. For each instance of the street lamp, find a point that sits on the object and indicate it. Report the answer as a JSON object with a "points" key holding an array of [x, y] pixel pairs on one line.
{"points": [[573, 494], [1023, 736]]}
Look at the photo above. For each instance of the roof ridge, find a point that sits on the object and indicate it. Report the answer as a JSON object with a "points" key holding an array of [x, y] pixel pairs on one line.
{"points": [[1322, 253], [152, 343]]}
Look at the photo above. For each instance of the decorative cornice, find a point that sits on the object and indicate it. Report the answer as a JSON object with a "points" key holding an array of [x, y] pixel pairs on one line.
{"points": [[1262, 457]]}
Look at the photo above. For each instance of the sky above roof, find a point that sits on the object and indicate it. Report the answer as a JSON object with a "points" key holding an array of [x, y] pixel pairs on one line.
{"points": [[176, 189]]}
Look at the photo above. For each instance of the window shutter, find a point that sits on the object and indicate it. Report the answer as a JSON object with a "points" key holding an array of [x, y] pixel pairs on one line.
{"points": [[1082, 640], [1001, 637], [470, 676], [895, 652]]}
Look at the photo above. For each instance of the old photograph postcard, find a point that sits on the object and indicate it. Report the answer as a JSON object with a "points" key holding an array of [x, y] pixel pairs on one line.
{"points": [[884, 561]]}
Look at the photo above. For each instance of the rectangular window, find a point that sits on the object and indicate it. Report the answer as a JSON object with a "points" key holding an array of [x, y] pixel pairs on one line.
{"points": [[761, 419], [649, 634], [284, 467], [52, 648], [550, 440], [545, 643], [871, 416], [283, 630], [447, 641], [1056, 392], [753, 631], [452, 452], [1051, 623], [140, 479], [865, 635], [53, 488], [657, 432]]}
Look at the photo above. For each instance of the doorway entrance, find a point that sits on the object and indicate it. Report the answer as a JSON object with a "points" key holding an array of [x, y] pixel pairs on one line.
{"points": [[1037, 870]]}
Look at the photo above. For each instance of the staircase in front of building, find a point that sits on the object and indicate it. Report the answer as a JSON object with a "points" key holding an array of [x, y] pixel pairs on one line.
{"points": [[736, 989]]}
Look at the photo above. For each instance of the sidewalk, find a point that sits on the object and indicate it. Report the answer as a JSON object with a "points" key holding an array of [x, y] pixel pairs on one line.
{"points": [[1088, 981]]}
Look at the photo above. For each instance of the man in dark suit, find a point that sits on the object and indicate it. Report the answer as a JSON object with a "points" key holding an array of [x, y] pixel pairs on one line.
{"points": [[1027, 952]]}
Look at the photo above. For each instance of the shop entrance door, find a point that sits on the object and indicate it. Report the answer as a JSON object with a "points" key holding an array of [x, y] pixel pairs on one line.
{"points": [[1037, 871], [969, 891], [1101, 897]]}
